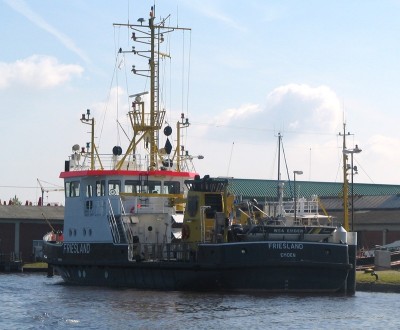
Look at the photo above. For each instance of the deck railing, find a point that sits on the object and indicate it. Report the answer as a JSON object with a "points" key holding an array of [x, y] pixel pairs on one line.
{"points": [[113, 224], [165, 251]]}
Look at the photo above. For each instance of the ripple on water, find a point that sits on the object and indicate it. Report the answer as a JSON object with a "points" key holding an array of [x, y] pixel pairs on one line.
{"points": [[33, 301]]}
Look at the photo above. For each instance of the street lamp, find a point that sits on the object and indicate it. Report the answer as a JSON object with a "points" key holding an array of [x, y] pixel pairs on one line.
{"points": [[294, 188], [356, 150]]}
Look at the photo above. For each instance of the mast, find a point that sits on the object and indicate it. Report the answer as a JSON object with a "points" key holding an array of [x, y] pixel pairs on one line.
{"points": [[147, 124], [345, 183], [152, 93], [85, 119], [280, 184], [279, 164]]}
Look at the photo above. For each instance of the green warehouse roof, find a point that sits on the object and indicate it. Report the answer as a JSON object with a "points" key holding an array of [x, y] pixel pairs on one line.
{"points": [[267, 189]]}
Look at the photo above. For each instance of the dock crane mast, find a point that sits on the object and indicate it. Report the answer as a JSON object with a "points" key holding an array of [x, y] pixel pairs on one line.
{"points": [[43, 189]]}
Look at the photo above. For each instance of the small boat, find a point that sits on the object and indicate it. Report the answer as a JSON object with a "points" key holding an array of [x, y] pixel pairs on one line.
{"points": [[149, 223], [278, 221], [366, 258]]}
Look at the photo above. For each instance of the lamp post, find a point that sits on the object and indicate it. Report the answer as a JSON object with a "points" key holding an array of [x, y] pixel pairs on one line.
{"points": [[294, 188], [356, 150]]}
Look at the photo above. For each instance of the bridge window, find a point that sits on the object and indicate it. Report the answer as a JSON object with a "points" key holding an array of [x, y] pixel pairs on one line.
{"points": [[100, 188], [154, 187], [89, 190], [215, 203], [114, 187], [72, 189], [138, 186], [171, 187], [132, 186]]}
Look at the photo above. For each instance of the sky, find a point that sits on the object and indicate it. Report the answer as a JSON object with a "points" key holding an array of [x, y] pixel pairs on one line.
{"points": [[246, 72]]}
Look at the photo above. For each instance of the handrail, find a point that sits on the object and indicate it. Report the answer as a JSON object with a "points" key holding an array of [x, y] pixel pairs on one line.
{"points": [[167, 252], [307, 206], [127, 229], [113, 224], [174, 196]]}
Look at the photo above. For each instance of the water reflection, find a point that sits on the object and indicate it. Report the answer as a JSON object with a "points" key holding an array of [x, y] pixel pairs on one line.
{"points": [[33, 301]]}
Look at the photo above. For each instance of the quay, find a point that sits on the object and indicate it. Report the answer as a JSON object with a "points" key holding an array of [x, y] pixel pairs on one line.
{"points": [[10, 262]]}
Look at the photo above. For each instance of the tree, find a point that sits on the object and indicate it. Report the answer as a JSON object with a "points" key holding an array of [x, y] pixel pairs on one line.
{"points": [[15, 201]]}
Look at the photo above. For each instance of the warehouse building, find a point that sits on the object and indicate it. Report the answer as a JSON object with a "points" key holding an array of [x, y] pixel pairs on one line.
{"points": [[22, 228], [375, 216], [376, 211]]}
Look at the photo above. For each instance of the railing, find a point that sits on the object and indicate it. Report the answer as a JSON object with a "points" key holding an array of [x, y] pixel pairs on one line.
{"points": [[166, 252], [125, 226], [11, 261], [10, 257], [113, 224], [134, 163], [304, 207], [118, 225]]}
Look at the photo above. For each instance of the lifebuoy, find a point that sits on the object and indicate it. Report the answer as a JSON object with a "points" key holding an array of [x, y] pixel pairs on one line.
{"points": [[185, 232]]}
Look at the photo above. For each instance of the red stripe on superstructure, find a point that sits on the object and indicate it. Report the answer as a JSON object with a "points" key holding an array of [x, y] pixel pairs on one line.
{"points": [[74, 174]]}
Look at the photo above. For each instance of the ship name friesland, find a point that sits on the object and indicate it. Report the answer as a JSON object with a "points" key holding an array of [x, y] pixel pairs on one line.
{"points": [[285, 246], [76, 248]]}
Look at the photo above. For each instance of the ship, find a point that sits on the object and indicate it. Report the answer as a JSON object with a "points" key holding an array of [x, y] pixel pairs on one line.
{"points": [[366, 258], [150, 222]]}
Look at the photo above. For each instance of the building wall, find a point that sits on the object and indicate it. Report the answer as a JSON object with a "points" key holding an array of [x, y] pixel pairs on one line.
{"points": [[7, 236], [375, 227], [369, 239], [30, 232]]}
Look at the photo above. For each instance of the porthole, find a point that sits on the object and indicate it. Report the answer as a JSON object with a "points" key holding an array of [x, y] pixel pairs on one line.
{"points": [[84, 231], [90, 231], [149, 228], [244, 251], [106, 274]]}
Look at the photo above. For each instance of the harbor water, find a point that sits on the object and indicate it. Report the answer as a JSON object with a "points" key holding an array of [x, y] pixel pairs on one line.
{"points": [[34, 301]]}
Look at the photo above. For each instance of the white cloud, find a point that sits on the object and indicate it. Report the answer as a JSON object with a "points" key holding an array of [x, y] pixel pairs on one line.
{"points": [[305, 108], [300, 108], [312, 116], [38, 72], [236, 115]]}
